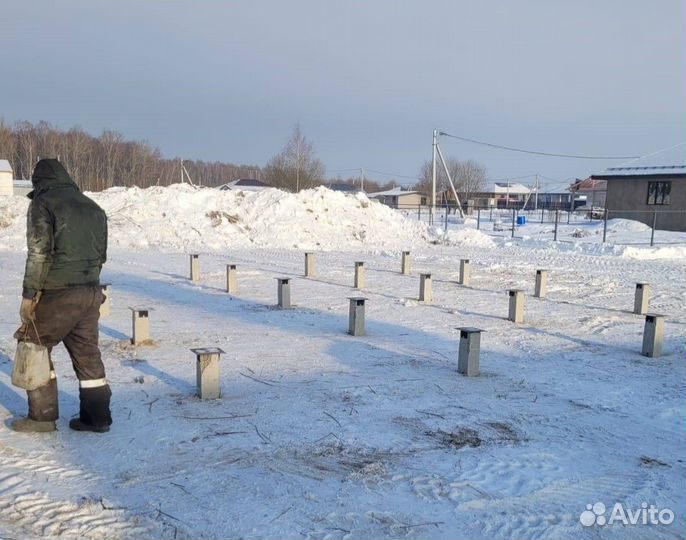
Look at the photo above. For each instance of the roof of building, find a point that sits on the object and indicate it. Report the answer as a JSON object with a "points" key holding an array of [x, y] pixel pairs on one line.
{"points": [[247, 184], [342, 187], [513, 188], [668, 162], [395, 192], [5, 166], [23, 184], [588, 184]]}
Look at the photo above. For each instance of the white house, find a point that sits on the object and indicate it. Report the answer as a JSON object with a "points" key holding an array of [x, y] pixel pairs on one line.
{"points": [[8, 185], [400, 198], [6, 178]]}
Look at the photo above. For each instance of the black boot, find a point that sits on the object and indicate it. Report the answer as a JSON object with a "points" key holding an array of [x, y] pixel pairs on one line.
{"points": [[94, 410], [43, 404], [77, 425]]}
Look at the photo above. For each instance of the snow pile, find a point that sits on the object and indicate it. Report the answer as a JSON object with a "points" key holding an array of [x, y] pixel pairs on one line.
{"points": [[13, 223], [468, 237], [181, 218], [654, 253], [625, 225]]}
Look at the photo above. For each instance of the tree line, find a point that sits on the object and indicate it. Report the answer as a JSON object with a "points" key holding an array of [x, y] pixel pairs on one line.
{"points": [[98, 163]]}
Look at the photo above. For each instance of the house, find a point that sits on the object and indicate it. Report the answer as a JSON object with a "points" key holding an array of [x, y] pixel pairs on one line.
{"points": [[244, 184], [8, 185], [589, 192], [400, 198], [345, 188], [508, 194], [500, 195], [6, 178], [550, 200], [652, 187]]}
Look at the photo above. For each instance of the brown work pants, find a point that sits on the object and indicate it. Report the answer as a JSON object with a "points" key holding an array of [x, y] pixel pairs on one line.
{"points": [[71, 316]]}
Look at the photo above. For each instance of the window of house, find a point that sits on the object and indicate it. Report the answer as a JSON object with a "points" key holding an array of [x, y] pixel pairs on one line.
{"points": [[658, 193]]}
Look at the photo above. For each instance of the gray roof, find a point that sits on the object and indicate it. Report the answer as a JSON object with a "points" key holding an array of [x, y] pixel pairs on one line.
{"points": [[668, 162], [395, 192], [5, 166]]}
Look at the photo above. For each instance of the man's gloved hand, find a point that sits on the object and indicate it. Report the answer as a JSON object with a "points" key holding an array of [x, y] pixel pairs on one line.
{"points": [[26, 311]]}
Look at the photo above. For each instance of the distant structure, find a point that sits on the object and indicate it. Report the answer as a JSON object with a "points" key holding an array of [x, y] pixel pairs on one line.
{"points": [[8, 185], [244, 184], [6, 178], [400, 198], [500, 195], [650, 187], [589, 192], [345, 188]]}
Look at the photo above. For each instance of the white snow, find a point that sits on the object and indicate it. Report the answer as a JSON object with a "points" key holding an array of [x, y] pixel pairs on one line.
{"points": [[319, 434], [180, 218]]}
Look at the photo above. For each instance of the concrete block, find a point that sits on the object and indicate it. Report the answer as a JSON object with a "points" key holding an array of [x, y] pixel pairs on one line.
{"points": [[309, 264], [284, 292], [425, 288], [470, 351], [465, 272], [359, 275], [641, 298], [653, 334], [140, 322], [516, 313], [231, 279], [207, 372], [541, 290], [356, 316], [406, 263], [195, 267]]}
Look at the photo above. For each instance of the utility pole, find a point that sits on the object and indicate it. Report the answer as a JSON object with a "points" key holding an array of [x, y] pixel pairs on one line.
{"points": [[361, 178], [297, 167], [433, 178], [450, 180], [536, 196]]}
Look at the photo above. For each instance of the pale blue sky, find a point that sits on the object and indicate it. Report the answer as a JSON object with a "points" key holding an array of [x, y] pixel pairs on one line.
{"points": [[367, 80]]}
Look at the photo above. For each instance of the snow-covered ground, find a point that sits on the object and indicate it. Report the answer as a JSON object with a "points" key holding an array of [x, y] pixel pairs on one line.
{"points": [[319, 434]]}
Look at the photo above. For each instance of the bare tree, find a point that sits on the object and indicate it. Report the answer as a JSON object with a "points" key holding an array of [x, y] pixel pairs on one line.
{"points": [[8, 144], [468, 176], [96, 163], [296, 167]]}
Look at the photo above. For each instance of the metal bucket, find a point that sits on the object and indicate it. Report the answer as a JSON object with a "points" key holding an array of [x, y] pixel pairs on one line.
{"points": [[31, 368]]}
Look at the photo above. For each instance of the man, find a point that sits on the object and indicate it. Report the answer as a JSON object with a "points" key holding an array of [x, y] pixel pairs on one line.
{"points": [[67, 245]]}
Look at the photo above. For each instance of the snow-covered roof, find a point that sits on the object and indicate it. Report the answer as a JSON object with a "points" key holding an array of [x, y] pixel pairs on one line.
{"points": [[23, 184], [5, 166], [513, 188], [395, 192], [671, 161], [245, 184]]}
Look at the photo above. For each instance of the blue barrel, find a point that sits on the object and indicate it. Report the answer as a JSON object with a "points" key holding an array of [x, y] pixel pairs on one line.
{"points": [[521, 220]]}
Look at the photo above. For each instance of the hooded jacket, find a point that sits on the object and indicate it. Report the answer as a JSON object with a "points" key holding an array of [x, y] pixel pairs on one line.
{"points": [[66, 233]]}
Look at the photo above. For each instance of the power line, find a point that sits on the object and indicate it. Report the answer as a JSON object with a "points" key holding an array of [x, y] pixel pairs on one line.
{"points": [[550, 154], [391, 174], [512, 178], [342, 170]]}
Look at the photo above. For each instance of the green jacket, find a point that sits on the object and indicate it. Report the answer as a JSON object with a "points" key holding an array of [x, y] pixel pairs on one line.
{"points": [[66, 233]]}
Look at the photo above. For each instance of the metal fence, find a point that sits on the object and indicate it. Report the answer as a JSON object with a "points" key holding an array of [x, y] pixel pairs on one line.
{"points": [[492, 220]]}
